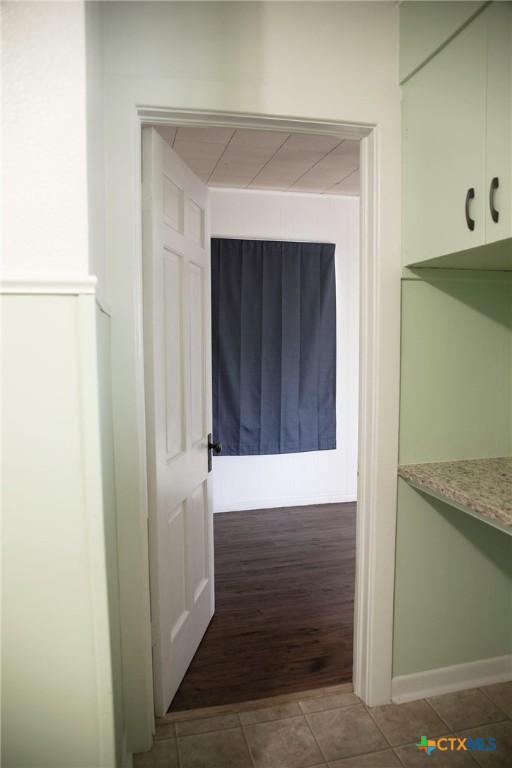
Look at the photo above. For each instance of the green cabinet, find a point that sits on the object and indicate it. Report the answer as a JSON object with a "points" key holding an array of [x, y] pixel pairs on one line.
{"points": [[499, 119], [456, 347], [457, 138], [426, 26]]}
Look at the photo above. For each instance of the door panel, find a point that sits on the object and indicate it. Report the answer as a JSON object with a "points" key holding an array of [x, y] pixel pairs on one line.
{"points": [[196, 348], [175, 569], [177, 349], [444, 114], [173, 351], [173, 204], [196, 222], [197, 521]]}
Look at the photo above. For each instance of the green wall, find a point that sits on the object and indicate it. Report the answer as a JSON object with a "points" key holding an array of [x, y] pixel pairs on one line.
{"points": [[56, 634], [453, 596], [456, 370]]}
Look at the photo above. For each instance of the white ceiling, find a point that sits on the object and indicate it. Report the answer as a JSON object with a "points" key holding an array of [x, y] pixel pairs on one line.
{"points": [[250, 159]]}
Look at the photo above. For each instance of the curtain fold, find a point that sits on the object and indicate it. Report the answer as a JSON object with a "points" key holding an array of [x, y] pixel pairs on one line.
{"points": [[274, 346]]}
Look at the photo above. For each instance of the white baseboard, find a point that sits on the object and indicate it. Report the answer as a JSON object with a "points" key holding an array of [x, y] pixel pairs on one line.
{"points": [[243, 505], [434, 682]]}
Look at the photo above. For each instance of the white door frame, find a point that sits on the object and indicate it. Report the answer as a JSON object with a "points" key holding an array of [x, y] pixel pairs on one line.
{"points": [[378, 405]]}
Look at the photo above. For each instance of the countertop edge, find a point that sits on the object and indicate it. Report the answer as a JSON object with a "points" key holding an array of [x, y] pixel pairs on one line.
{"points": [[487, 513]]}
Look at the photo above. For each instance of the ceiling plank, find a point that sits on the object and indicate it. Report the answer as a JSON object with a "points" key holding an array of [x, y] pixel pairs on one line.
{"points": [[261, 159]]}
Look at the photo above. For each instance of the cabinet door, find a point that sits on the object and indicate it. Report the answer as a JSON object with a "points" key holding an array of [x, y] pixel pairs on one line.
{"points": [[499, 122], [444, 112]]}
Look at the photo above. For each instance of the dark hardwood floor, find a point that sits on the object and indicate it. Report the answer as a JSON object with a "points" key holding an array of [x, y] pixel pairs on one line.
{"points": [[284, 585]]}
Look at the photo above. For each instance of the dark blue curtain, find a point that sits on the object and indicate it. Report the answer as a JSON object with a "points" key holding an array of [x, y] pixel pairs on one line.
{"points": [[274, 346]]}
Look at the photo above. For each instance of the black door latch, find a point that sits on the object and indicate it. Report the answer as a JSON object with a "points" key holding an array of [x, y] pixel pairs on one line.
{"points": [[216, 448]]}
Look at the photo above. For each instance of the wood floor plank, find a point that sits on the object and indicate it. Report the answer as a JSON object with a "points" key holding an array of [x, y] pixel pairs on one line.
{"points": [[284, 591]]}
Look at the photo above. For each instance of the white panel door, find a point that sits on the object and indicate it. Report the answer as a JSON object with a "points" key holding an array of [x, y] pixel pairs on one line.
{"points": [[177, 344]]}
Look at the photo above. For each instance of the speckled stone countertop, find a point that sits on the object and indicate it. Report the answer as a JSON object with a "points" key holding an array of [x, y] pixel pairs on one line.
{"points": [[482, 487]]}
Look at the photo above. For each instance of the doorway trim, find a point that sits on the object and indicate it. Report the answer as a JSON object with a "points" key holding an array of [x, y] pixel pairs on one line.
{"points": [[376, 516]]}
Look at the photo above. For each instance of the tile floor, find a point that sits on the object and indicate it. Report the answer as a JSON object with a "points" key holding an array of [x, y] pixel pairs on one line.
{"points": [[333, 729]]}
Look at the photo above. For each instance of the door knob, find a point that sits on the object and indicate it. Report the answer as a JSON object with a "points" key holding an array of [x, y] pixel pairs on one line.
{"points": [[215, 448]]}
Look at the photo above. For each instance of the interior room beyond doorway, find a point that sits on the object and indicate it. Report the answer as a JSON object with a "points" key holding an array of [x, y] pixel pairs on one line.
{"points": [[283, 623]]}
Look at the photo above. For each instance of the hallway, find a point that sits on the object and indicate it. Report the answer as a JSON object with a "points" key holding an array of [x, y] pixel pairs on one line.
{"points": [[284, 583]]}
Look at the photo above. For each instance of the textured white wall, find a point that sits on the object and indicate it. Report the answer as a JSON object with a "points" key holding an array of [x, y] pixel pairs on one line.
{"points": [[44, 139], [95, 147], [252, 482]]}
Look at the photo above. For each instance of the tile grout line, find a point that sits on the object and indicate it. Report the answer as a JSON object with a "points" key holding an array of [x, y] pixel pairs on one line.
{"points": [[210, 730], [164, 738], [251, 758], [178, 751], [394, 747], [378, 726], [413, 744], [470, 752], [200, 733], [372, 752], [451, 729], [395, 752], [474, 758], [434, 710], [484, 692], [273, 720], [280, 720], [207, 733], [325, 709], [306, 719]]}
